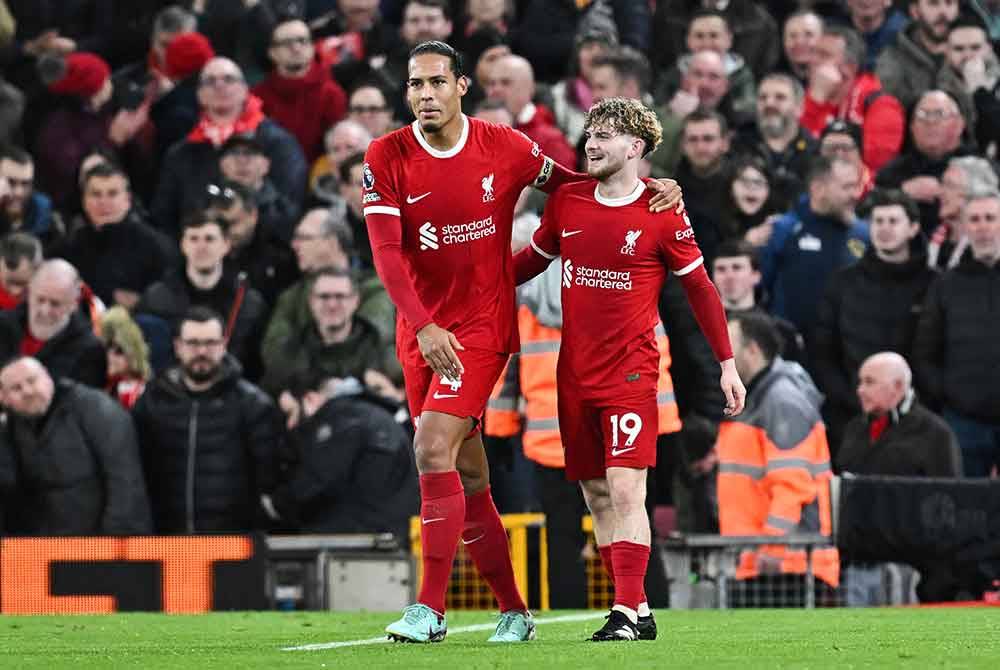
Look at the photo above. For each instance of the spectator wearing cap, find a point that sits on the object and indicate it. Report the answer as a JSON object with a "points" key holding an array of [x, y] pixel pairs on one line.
{"points": [[512, 81], [128, 356], [203, 281], [842, 139], [776, 136], [909, 65], [755, 33], [546, 30], [254, 248], [116, 252], [300, 94], [22, 208], [176, 109], [839, 88], [243, 160], [936, 130], [227, 109], [50, 327], [573, 96], [87, 119]]}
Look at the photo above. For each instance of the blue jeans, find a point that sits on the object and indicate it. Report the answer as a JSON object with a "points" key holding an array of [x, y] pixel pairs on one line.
{"points": [[979, 441]]}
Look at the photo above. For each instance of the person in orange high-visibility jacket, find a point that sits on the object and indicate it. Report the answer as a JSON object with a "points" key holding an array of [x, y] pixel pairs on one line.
{"points": [[774, 461], [524, 403]]}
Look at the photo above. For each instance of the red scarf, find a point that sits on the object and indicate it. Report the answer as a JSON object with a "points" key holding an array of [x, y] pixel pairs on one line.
{"points": [[217, 133], [877, 427]]}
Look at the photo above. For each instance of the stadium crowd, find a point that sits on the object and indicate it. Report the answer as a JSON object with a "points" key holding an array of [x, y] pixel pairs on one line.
{"points": [[194, 339]]}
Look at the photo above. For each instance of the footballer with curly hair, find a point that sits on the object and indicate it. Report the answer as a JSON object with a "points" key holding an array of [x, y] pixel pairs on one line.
{"points": [[615, 257]]}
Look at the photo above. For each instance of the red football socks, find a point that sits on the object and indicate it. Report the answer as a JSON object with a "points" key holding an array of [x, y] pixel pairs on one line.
{"points": [[630, 561], [485, 541], [442, 515], [610, 568]]}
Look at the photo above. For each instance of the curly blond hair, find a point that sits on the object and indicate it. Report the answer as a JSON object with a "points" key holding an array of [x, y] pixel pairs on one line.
{"points": [[629, 117]]}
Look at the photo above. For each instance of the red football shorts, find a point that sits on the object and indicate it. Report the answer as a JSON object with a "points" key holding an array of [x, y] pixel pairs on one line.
{"points": [[427, 391], [598, 435]]}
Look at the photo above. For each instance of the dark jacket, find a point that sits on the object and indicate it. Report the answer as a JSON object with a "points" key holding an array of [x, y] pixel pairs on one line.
{"points": [[77, 468], [207, 456], [190, 166], [75, 353], [869, 307], [955, 354], [356, 472], [787, 169], [127, 255], [905, 68], [805, 248], [39, 219], [267, 261], [362, 350], [916, 443], [171, 297]]}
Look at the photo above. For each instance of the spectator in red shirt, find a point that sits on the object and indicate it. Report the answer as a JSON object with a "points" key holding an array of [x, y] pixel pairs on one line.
{"points": [[300, 94], [513, 81], [838, 89]]}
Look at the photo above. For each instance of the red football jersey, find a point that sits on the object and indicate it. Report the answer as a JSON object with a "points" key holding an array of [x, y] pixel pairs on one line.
{"points": [[615, 255], [456, 209]]}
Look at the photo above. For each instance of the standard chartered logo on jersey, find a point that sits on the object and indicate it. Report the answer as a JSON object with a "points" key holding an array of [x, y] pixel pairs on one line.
{"points": [[581, 275], [459, 233]]}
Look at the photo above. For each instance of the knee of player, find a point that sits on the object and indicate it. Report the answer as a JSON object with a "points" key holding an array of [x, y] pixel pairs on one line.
{"points": [[433, 454], [474, 482]]}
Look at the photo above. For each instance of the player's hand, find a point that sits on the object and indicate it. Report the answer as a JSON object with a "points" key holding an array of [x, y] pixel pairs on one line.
{"points": [[438, 347], [666, 194], [732, 387]]}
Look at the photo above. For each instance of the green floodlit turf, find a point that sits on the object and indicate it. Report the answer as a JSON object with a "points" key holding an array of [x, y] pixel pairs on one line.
{"points": [[842, 639]]}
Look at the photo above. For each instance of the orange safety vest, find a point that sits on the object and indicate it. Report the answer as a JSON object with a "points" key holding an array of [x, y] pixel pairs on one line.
{"points": [[535, 370], [774, 476]]}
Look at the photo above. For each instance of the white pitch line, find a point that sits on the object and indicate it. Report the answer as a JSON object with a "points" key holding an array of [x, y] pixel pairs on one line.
{"points": [[566, 618]]}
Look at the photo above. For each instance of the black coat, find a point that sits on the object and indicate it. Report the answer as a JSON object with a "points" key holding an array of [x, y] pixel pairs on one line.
{"points": [[916, 443], [868, 307], [208, 457], [955, 354], [189, 167], [127, 255], [171, 297], [77, 468], [356, 472], [75, 353], [268, 262]]}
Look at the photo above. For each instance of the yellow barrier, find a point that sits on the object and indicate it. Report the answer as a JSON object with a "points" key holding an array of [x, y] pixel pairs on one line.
{"points": [[467, 590]]}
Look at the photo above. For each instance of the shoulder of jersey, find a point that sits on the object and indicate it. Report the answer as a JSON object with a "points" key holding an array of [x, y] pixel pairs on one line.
{"points": [[396, 140]]}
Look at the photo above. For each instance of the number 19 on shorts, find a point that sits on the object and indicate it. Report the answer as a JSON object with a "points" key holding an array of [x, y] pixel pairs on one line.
{"points": [[630, 424]]}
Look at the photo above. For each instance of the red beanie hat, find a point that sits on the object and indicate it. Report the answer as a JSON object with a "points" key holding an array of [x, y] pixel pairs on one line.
{"points": [[84, 76], [186, 54]]}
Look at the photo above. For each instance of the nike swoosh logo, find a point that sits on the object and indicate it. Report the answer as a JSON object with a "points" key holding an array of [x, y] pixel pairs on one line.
{"points": [[438, 396], [410, 199], [464, 541], [571, 233], [618, 452], [427, 521]]}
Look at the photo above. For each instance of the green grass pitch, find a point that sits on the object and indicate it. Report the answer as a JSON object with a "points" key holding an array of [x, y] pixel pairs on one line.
{"points": [[841, 639]]}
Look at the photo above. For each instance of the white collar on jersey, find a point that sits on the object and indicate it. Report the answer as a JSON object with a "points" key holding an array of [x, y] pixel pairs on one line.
{"points": [[436, 153], [622, 201]]}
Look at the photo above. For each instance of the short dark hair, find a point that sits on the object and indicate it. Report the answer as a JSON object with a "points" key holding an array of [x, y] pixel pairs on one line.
{"points": [[443, 5], [735, 248], [882, 197], [351, 161], [760, 329], [199, 314], [174, 19], [335, 273], [16, 247], [703, 12], [699, 115], [854, 46], [966, 20], [104, 170], [16, 154], [628, 63], [203, 217], [820, 167], [439, 48]]}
